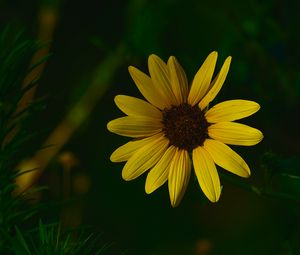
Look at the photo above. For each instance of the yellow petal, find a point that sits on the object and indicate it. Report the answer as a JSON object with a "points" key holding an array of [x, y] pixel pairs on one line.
{"points": [[235, 133], [226, 158], [207, 174], [160, 76], [145, 158], [179, 175], [216, 84], [178, 79], [135, 126], [231, 110], [158, 175], [135, 106], [146, 87], [202, 79], [124, 152]]}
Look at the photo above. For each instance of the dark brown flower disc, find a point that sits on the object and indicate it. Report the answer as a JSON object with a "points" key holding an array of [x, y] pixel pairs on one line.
{"points": [[185, 126]]}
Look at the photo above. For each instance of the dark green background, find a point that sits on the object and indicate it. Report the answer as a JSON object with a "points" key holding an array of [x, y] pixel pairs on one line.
{"points": [[262, 37]]}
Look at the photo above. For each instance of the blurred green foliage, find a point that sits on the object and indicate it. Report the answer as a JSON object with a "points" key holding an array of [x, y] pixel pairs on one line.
{"points": [[14, 62], [18, 234], [262, 38], [49, 239]]}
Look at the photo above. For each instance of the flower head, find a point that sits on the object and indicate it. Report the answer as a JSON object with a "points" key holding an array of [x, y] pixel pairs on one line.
{"points": [[175, 128]]}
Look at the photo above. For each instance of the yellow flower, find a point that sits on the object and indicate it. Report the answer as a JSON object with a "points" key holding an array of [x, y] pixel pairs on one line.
{"points": [[176, 123]]}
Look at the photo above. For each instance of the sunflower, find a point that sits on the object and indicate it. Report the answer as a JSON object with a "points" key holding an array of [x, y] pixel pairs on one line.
{"points": [[175, 129]]}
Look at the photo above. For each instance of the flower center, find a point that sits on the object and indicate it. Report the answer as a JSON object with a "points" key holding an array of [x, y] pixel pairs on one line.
{"points": [[185, 126]]}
